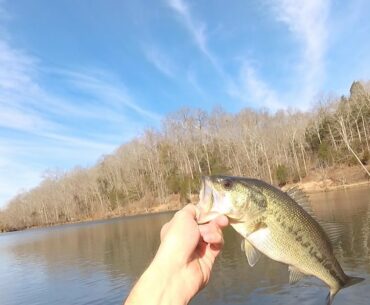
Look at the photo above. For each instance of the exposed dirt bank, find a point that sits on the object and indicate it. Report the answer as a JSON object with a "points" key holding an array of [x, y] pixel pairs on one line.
{"points": [[323, 180]]}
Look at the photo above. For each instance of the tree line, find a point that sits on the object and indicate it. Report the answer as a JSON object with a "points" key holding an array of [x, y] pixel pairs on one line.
{"points": [[164, 166]]}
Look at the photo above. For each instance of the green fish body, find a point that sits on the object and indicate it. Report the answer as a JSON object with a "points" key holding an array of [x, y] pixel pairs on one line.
{"points": [[273, 223]]}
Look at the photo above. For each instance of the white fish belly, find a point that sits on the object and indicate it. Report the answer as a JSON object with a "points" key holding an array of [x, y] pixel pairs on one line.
{"points": [[262, 240]]}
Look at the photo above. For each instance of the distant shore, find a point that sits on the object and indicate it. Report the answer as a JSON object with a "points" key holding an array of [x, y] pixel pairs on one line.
{"points": [[319, 187], [316, 182], [115, 214], [331, 179]]}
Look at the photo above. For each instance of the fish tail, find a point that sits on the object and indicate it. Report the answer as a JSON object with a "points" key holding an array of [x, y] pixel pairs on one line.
{"points": [[351, 280]]}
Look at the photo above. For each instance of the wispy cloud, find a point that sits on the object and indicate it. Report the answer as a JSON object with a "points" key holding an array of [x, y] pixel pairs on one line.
{"points": [[22, 119], [106, 89], [160, 61], [308, 21], [17, 88], [17, 68], [247, 86], [252, 90], [40, 128], [193, 81], [197, 29]]}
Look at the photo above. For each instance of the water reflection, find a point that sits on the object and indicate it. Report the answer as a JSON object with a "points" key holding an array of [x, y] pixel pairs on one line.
{"points": [[352, 208], [84, 263], [97, 263], [119, 246]]}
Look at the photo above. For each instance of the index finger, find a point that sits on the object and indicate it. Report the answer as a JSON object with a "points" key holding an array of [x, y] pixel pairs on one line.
{"points": [[191, 210]]}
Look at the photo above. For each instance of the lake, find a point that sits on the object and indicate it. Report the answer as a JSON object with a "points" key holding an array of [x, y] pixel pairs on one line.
{"points": [[98, 262]]}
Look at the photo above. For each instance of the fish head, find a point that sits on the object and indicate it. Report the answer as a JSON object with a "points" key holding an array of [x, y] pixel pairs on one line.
{"points": [[223, 195]]}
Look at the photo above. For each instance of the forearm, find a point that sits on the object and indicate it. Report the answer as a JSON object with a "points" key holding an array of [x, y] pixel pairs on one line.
{"points": [[158, 286]]}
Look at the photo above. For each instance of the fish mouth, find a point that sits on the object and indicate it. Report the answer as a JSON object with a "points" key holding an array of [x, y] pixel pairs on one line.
{"points": [[208, 197], [214, 202]]}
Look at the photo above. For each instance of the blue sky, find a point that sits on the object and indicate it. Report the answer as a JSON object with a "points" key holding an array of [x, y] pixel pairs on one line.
{"points": [[79, 78]]}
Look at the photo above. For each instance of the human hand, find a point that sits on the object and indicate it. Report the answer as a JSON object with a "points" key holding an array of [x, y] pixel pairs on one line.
{"points": [[191, 249], [183, 263]]}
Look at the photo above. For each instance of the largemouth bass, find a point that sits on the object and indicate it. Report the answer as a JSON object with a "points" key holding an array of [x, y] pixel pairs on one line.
{"points": [[278, 224]]}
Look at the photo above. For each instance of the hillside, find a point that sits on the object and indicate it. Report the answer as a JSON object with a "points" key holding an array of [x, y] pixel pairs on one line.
{"points": [[161, 169]]}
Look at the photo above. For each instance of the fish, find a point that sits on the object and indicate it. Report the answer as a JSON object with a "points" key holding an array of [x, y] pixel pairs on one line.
{"points": [[278, 224]]}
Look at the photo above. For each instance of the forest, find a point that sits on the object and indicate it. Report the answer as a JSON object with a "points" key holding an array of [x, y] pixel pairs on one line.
{"points": [[163, 167]]}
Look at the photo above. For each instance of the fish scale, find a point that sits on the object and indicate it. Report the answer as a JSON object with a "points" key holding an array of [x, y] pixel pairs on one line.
{"points": [[316, 242], [272, 222]]}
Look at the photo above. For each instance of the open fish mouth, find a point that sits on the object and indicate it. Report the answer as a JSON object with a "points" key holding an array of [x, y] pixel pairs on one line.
{"points": [[208, 198]]}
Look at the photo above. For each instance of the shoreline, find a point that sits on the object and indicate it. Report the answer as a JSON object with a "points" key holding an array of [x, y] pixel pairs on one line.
{"points": [[110, 216], [321, 187], [310, 187]]}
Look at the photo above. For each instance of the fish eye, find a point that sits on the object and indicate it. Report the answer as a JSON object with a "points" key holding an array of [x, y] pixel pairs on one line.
{"points": [[227, 184]]}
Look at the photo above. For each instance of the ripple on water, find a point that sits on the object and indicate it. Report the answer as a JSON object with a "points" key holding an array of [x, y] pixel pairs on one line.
{"points": [[97, 263]]}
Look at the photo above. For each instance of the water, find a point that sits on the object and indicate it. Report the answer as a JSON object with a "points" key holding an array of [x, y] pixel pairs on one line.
{"points": [[97, 263]]}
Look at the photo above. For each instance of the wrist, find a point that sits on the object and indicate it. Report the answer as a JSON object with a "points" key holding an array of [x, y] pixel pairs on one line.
{"points": [[159, 285], [170, 280]]}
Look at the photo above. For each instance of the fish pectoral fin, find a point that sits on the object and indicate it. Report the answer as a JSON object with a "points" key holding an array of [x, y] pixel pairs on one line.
{"points": [[295, 275], [247, 227], [253, 255]]}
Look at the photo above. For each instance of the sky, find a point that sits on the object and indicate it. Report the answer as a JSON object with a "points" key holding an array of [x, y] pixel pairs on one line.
{"points": [[80, 78]]}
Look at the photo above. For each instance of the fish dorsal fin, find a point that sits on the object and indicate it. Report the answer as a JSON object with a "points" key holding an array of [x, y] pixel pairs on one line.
{"points": [[251, 252], [295, 275], [333, 230], [299, 196]]}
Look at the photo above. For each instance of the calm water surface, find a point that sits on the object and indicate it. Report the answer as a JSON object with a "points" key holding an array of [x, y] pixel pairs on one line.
{"points": [[97, 263]]}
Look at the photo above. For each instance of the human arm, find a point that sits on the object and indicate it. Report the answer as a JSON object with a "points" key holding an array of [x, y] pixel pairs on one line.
{"points": [[183, 263]]}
